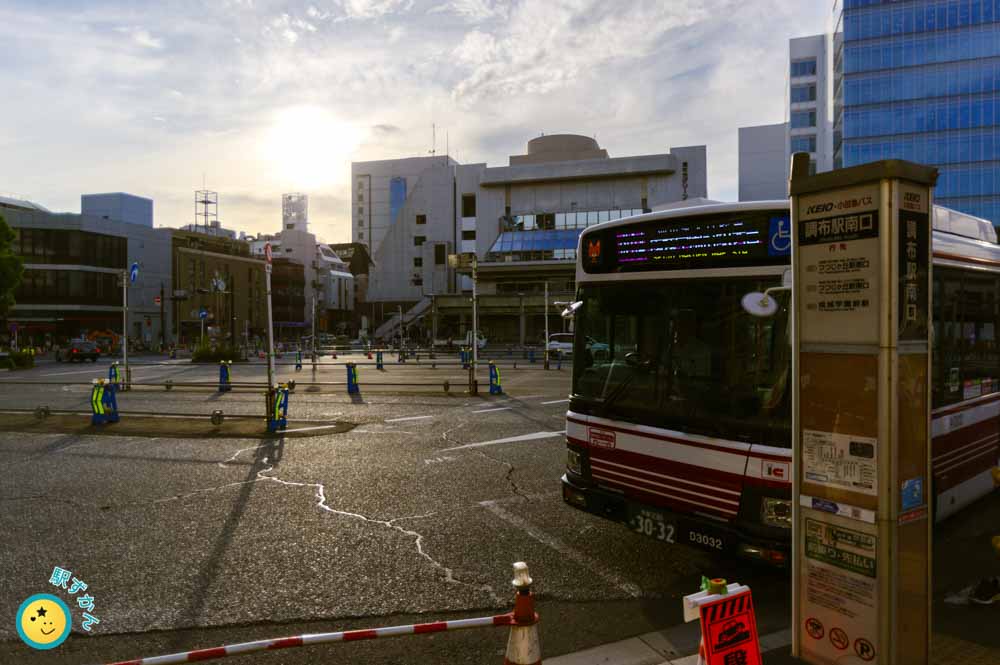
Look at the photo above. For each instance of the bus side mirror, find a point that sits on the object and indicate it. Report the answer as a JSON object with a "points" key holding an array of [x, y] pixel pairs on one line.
{"points": [[571, 310]]}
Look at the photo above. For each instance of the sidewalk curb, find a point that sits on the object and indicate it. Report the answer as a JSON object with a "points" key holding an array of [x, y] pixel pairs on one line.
{"points": [[677, 645]]}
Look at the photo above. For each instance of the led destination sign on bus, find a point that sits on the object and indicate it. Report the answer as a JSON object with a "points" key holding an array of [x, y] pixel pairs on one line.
{"points": [[710, 241]]}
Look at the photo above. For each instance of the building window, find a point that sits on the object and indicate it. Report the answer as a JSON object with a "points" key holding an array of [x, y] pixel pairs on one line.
{"points": [[418, 261], [440, 255], [289, 226], [804, 67], [805, 143], [361, 222], [468, 205], [361, 196], [361, 211], [419, 240], [802, 119], [421, 219], [418, 281], [468, 235], [804, 93], [361, 235]]}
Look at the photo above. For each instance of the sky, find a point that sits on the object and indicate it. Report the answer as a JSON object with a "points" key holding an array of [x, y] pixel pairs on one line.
{"points": [[255, 98]]}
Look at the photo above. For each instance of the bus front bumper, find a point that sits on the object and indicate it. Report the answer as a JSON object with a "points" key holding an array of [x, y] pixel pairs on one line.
{"points": [[686, 529]]}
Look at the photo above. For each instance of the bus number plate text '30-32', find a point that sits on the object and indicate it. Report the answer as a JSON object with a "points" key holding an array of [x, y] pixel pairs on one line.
{"points": [[660, 526]]}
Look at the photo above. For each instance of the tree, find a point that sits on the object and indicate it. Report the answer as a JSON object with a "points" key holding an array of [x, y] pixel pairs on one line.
{"points": [[11, 268]]}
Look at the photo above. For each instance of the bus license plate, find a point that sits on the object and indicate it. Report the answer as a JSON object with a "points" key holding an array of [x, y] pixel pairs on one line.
{"points": [[654, 524]]}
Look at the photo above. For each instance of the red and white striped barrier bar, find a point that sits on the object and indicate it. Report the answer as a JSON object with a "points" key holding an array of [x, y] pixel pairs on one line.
{"points": [[200, 655]]}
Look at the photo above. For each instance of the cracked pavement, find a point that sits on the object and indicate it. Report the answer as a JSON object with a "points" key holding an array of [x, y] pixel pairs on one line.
{"points": [[189, 543]]}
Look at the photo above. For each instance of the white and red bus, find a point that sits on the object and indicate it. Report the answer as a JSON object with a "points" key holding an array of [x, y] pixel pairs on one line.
{"points": [[679, 421]]}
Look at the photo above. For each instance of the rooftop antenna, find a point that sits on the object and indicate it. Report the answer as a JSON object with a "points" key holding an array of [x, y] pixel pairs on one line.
{"points": [[433, 150], [447, 145], [208, 202]]}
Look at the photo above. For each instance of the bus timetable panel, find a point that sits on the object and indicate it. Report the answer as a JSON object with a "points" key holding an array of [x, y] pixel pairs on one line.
{"points": [[726, 240]]}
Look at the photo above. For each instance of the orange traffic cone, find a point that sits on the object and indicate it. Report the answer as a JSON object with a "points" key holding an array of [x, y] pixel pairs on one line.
{"points": [[523, 647]]}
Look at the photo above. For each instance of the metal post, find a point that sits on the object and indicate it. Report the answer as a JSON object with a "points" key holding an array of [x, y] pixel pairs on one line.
{"points": [[545, 352], [475, 314], [125, 278], [400, 307], [314, 334], [434, 321], [270, 329]]}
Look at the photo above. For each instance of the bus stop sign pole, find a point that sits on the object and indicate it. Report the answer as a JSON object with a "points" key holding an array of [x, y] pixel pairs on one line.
{"points": [[861, 554]]}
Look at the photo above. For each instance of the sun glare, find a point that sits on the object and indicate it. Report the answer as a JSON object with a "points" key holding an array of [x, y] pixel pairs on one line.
{"points": [[307, 147]]}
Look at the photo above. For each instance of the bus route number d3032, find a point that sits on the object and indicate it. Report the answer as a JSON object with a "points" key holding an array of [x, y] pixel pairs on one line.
{"points": [[653, 524]]}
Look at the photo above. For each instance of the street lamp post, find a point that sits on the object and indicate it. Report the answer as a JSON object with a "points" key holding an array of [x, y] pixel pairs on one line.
{"points": [[545, 353]]}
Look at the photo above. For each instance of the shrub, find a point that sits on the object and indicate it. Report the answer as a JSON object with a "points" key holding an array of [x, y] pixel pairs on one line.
{"points": [[20, 360], [208, 354]]}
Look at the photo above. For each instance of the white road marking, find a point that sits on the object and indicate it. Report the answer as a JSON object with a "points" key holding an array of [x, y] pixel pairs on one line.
{"points": [[399, 420], [97, 369], [502, 408], [590, 564], [511, 439], [557, 401], [306, 429]]}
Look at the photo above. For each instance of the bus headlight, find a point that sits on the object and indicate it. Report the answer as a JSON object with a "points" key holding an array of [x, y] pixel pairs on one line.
{"points": [[574, 461], [776, 512]]}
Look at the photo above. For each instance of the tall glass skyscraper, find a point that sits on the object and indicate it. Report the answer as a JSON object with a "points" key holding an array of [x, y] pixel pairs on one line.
{"points": [[920, 80]]}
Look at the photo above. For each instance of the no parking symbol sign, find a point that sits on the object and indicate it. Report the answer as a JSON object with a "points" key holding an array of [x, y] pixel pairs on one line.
{"points": [[729, 631]]}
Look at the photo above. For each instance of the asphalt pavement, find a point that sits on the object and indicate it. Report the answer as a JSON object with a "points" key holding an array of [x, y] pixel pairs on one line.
{"points": [[414, 511]]}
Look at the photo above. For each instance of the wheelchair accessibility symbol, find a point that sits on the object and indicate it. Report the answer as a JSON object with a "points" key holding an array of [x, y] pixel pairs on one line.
{"points": [[779, 237]]}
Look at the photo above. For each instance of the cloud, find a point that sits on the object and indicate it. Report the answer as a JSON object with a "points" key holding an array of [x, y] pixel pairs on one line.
{"points": [[476, 11], [151, 97], [141, 37], [367, 9]]}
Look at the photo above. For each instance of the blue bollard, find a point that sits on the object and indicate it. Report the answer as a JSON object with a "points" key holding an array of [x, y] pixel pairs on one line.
{"points": [[103, 405], [495, 386], [378, 360], [224, 377], [278, 416], [115, 374], [353, 387], [531, 356], [298, 361]]}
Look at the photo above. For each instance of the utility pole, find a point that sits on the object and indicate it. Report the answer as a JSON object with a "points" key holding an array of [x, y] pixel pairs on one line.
{"points": [[125, 278], [163, 321], [314, 332], [270, 319]]}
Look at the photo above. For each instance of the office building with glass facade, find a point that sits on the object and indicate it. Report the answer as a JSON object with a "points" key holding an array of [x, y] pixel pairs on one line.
{"points": [[920, 80]]}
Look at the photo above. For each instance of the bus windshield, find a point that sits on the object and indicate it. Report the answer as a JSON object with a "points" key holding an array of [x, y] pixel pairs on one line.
{"points": [[683, 354]]}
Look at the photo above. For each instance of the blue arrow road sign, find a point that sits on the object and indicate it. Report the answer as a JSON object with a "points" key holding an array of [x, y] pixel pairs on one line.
{"points": [[133, 274], [203, 313]]}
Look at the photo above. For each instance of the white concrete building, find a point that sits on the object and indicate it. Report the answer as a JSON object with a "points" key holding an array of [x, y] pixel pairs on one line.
{"points": [[413, 213], [327, 278], [763, 162], [807, 126]]}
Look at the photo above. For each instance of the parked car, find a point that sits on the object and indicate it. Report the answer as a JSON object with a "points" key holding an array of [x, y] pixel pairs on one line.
{"points": [[562, 343], [78, 351], [462, 341]]}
